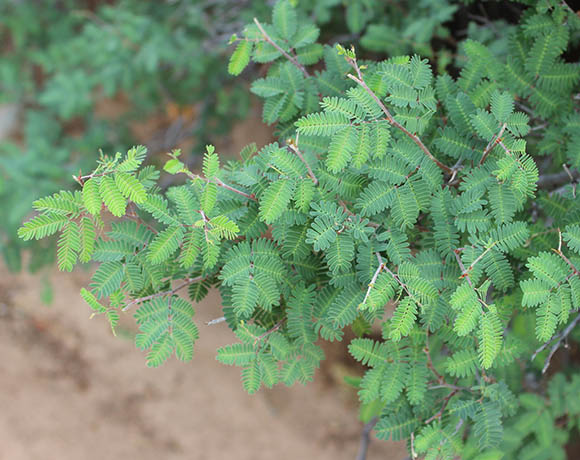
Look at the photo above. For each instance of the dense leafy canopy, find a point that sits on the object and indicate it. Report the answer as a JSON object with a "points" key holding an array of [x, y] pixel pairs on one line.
{"points": [[431, 205]]}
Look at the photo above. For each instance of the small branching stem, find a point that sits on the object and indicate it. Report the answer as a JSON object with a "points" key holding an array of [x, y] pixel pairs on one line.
{"points": [[373, 281], [430, 366], [274, 328], [557, 340], [81, 179], [561, 254], [450, 386], [440, 413], [360, 81], [464, 272], [352, 214], [413, 453], [535, 235], [220, 183], [398, 280], [549, 181], [294, 147], [293, 60], [492, 143], [169, 292]]}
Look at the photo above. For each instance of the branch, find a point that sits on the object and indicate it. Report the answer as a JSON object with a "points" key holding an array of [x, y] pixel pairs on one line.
{"points": [[481, 256], [131, 214], [450, 386], [169, 292], [219, 183], [558, 342], [561, 254], [235, 190], [294, 147], [350, 213], [398, 280], [284, 53], [440, 413], [464, 272], [276, 326], [534, 235], [390, 119], [81, 179], [373, 281], [492, 143], [549, 181], [365, 438]]}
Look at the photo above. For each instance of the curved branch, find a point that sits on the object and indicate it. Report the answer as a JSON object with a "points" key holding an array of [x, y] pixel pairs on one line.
{"points": [[360, 81], [284, 53]]}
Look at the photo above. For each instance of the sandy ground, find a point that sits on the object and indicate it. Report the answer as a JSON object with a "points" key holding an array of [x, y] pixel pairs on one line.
{"points": [[70, 390]]}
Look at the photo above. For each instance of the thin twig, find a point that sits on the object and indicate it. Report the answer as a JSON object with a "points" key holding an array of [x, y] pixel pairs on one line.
{"points": [[398, 280], [81, 179], [450, 386], [350, 213], [567, 171], [274, 328], [430, 365], [561, 254], [492, 143], [548, 181], [537, 127], [360, 81], [219, 183], [529, 240], [440, 413], [294, 147], [373, 281], [558, 342], [169, 292], [284, 53], [481, 256], [464, 272]]}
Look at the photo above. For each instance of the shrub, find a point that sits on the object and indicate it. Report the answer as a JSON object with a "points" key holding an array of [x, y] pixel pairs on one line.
{"points": [[451, 199], [63, 61]]}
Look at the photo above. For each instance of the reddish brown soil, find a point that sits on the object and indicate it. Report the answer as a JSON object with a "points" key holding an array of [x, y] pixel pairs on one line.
{"points": [[70, 390]]}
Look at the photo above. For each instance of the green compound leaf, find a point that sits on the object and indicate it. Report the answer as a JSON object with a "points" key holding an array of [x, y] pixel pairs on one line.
{"points": [[89, 298], [240, 57], [130, 187], [284, 19], [107, 279], [87, 239], [69, 244], [91, 197], [490, 338], [112, 196], [275, 200], [42, 226], [165, 244]]}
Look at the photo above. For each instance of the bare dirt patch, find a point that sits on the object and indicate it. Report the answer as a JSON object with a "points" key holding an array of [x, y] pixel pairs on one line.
{"points": [[70, 390]]}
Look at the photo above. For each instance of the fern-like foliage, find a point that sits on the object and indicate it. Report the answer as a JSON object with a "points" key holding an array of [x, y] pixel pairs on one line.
{"points": [[431, 205]]}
